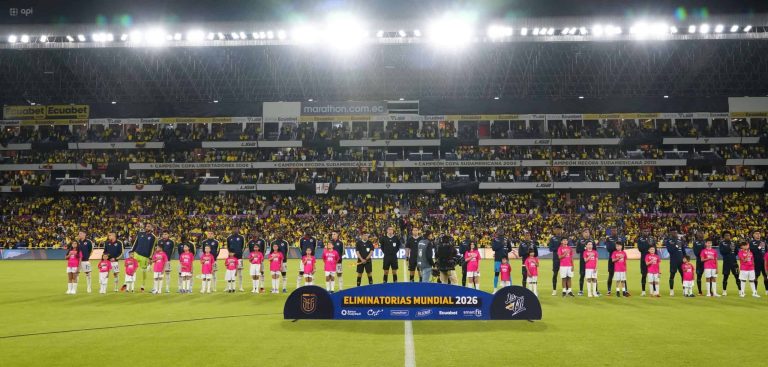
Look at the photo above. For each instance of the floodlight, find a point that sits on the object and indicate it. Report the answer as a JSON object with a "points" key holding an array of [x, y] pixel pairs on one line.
{"points": [[704, 28], [747, 28], [196, 35], [453, 30], [12, 38], [734, 28], [24, 38], [719, 28]]}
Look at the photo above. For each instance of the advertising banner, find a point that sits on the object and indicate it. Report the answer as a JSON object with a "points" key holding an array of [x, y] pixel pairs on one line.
{"points": [[343, 108], [412, 301]]}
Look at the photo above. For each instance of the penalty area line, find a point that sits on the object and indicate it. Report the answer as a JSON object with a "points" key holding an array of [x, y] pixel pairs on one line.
{"points": [[134, 325]]}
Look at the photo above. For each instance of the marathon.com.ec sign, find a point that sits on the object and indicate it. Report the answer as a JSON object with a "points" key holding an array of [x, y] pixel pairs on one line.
{"points": [[343, 108], [46, 112], [412, 301]]}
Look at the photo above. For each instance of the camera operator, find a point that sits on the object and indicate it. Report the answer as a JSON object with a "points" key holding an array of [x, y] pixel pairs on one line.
{"points": [[447, 260]]}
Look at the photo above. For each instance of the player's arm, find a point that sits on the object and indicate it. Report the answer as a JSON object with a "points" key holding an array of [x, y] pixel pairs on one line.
{"points": [[122, 250]]}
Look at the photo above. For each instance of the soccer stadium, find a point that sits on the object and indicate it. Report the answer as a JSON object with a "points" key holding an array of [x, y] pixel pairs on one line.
{"points": [[418, 183]]}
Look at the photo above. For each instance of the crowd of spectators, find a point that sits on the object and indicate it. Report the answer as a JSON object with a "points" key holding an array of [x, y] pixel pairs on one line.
{"points": [[328, 131], [49, 221]]}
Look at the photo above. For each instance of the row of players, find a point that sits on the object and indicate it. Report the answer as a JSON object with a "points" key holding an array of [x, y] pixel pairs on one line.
{"points": [[144, 249]]}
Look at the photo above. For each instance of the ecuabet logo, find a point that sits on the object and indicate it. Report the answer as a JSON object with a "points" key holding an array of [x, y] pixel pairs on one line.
{"points": [[515, 304], [308, 303]]}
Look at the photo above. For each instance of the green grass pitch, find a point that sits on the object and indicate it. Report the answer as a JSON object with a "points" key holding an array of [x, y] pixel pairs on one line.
{"points": [[41, 326]]}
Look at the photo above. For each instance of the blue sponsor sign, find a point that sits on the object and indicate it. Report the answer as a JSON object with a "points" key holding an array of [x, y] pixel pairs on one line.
{"points": [[412, 301]]}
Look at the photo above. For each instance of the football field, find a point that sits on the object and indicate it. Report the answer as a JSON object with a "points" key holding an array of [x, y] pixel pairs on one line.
{"points": [[42, 326]]}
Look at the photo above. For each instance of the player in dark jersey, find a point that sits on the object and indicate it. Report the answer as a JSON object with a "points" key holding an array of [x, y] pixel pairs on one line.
{"points": [[390, 245], [364, 251], [338, 246]]}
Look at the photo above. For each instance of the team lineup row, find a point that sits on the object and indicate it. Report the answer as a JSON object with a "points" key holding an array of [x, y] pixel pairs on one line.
{"points": [[746, 261]]}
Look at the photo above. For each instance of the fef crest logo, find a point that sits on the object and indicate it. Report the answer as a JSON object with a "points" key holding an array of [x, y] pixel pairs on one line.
{"points": [[515, 304], [308, 303]]}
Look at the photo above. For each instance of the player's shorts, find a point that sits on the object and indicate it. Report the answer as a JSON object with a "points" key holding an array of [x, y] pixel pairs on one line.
{"points": [[412, 266], [186, 273], [229, 275], [590, 273], [390, 262], [72, 269], [274, 272], [255, 269], [748, 275], [284, 268], [167, 268], [307, 275], [532, 280], [620, 275], [688, 284], [472, 274], [239, 264], [85, 266], [652, 278], [710, 273], [115, 266], [367, 267], [339, 268], [130, 278], [506, 283], [143, 261], [330, 273], [103, 277], [207, 276], [158, 274], [566, 272]]}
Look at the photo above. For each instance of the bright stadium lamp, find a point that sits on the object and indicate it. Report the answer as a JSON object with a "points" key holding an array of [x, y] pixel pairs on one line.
{"points": [[123, 37], [550, 31], [734, 28], [417, 33], [210, 36], [379, 34], [136, 36], [565, 31], [704, 28], [235, 36], [719, 28], [344, 31], [70, 38], [155, 36], [401, 33], [270, 35], [598, 30], [43, 38], [453, 30], [304, 34], [109, 37], [673, 30], [195, 36], [747, 28], [583, 31], [24, 38], [535, 31], [524, 31], [177, 36], [281, 35], [691, 28], [12, 38], [221, 36], [496, 32]]}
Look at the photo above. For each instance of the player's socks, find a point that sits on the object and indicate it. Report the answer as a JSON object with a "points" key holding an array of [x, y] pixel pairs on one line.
{"points": [[88, 282], [495, 280], [240, 280], [213, 281], [341, 283], [359, 280], [285, 282], [386, 278], [160, 286], [168, 283], [115, 283], [370, 280], [394, 277], [410, 278], [298, 281]]}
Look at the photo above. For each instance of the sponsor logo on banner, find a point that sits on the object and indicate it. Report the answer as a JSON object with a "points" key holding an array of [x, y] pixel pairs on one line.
{"points": [[424, 313], [515, 304], [350, 313], [343, 108], [473, 313], [46, 112], [447, 313], [400, 313], [308, 303], [375, 313]]}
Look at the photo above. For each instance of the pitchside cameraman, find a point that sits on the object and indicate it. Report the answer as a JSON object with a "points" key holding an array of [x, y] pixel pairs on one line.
{"points": [[446, 260]]}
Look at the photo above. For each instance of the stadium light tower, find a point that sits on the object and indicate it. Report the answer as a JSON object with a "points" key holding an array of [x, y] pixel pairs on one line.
{"points": [[195, 36], [451, 31], [344, 31]]}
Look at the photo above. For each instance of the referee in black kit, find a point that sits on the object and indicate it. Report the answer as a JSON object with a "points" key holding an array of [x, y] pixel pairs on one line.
{"points": [[390, 245], [364, 250]]}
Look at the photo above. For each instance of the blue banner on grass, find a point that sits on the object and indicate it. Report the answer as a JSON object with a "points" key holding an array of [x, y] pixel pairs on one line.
{"points": [[412, 301]]}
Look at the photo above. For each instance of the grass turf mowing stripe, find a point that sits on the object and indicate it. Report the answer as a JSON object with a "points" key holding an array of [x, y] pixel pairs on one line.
{"points": [[134, 325], [410, 352]]}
